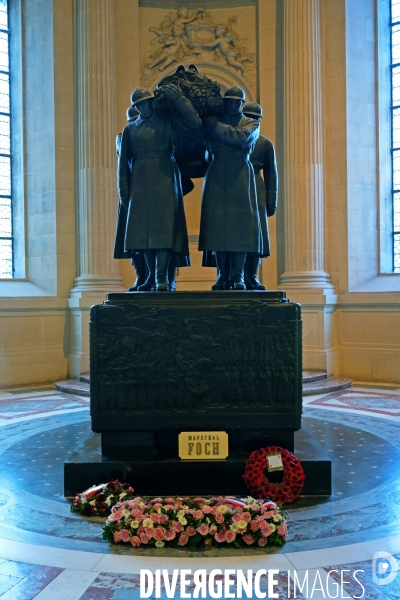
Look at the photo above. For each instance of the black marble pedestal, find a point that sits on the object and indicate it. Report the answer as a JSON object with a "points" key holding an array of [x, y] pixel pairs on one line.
{"points": [[163, 363], [194, 361]]}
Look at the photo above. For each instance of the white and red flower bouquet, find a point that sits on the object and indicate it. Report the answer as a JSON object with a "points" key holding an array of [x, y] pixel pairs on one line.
{"points": [[197, 523], [99, 499]]}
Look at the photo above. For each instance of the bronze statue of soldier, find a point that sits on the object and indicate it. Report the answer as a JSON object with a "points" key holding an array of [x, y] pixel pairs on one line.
{"points": [[230, 222], [149, 183], [137, 258], [262, 159]]}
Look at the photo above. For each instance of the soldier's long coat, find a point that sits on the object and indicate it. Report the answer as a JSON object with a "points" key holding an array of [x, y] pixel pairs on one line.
{"points": [[263, 159], [229, 216], [149, 179], [119, 243]]}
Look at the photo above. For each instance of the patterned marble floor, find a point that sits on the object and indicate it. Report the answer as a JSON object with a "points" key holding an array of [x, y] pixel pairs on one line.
{"points": [[46, 552]]}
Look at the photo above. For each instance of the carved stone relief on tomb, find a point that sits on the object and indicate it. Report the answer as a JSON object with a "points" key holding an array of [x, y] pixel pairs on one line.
{"points": [[151, 359], [199, 36]]}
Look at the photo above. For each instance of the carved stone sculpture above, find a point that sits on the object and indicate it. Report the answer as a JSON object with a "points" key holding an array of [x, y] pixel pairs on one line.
{"points": [[185, 36]]}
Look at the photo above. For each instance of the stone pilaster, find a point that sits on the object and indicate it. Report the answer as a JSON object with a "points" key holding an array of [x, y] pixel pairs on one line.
{"points": [[97, 200], [304, 276], [303, 174], [95, 145]]}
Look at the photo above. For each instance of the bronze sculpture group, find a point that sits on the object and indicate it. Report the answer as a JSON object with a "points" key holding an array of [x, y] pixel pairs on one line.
{"points": [[167, 129]]}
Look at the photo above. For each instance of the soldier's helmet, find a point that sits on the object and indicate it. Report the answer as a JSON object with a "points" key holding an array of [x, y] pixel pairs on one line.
{"points": [[140, 94], [252, 109], [132, 113], [235, 92]]}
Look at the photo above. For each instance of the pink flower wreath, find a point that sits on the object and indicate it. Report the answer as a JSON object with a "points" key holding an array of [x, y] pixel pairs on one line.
{"points": [[256, 476]]}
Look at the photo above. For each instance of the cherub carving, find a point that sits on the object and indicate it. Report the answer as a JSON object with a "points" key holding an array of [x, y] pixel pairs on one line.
{"points": [[184, 16], [181, 19], [171, 50], [165, 29], [186, 35], [225, 43]]}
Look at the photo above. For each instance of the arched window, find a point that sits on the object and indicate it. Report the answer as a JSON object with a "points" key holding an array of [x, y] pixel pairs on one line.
{"points": [[395, 45], [6, 232]]}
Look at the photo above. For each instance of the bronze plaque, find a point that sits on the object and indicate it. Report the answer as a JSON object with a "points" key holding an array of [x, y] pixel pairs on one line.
{"points": [[203, 445]]}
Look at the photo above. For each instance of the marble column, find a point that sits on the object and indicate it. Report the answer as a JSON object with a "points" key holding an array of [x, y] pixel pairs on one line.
{"points": [[96, 180], [97, 199], [303, 139], [304, 277]]}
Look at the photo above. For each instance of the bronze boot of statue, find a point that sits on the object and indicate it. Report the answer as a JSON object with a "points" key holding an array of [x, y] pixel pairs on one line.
{"points": [[228, 285], [237, 268], [172, 277], [162, 263], [150, 283], [223, 271], [250, 273], [139, 262]]}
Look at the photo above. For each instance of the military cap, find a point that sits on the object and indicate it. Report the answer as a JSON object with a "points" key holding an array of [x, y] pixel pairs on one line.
{"points": [[235, 92], [140, 94], [131, 113], [252, 108]]}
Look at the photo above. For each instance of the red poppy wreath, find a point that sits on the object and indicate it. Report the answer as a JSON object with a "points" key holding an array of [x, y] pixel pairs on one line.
{"points": [[256, 476]]}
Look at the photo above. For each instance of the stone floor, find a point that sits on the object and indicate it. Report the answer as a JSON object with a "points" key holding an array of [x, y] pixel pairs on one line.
{"points": [[48, 553]]}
